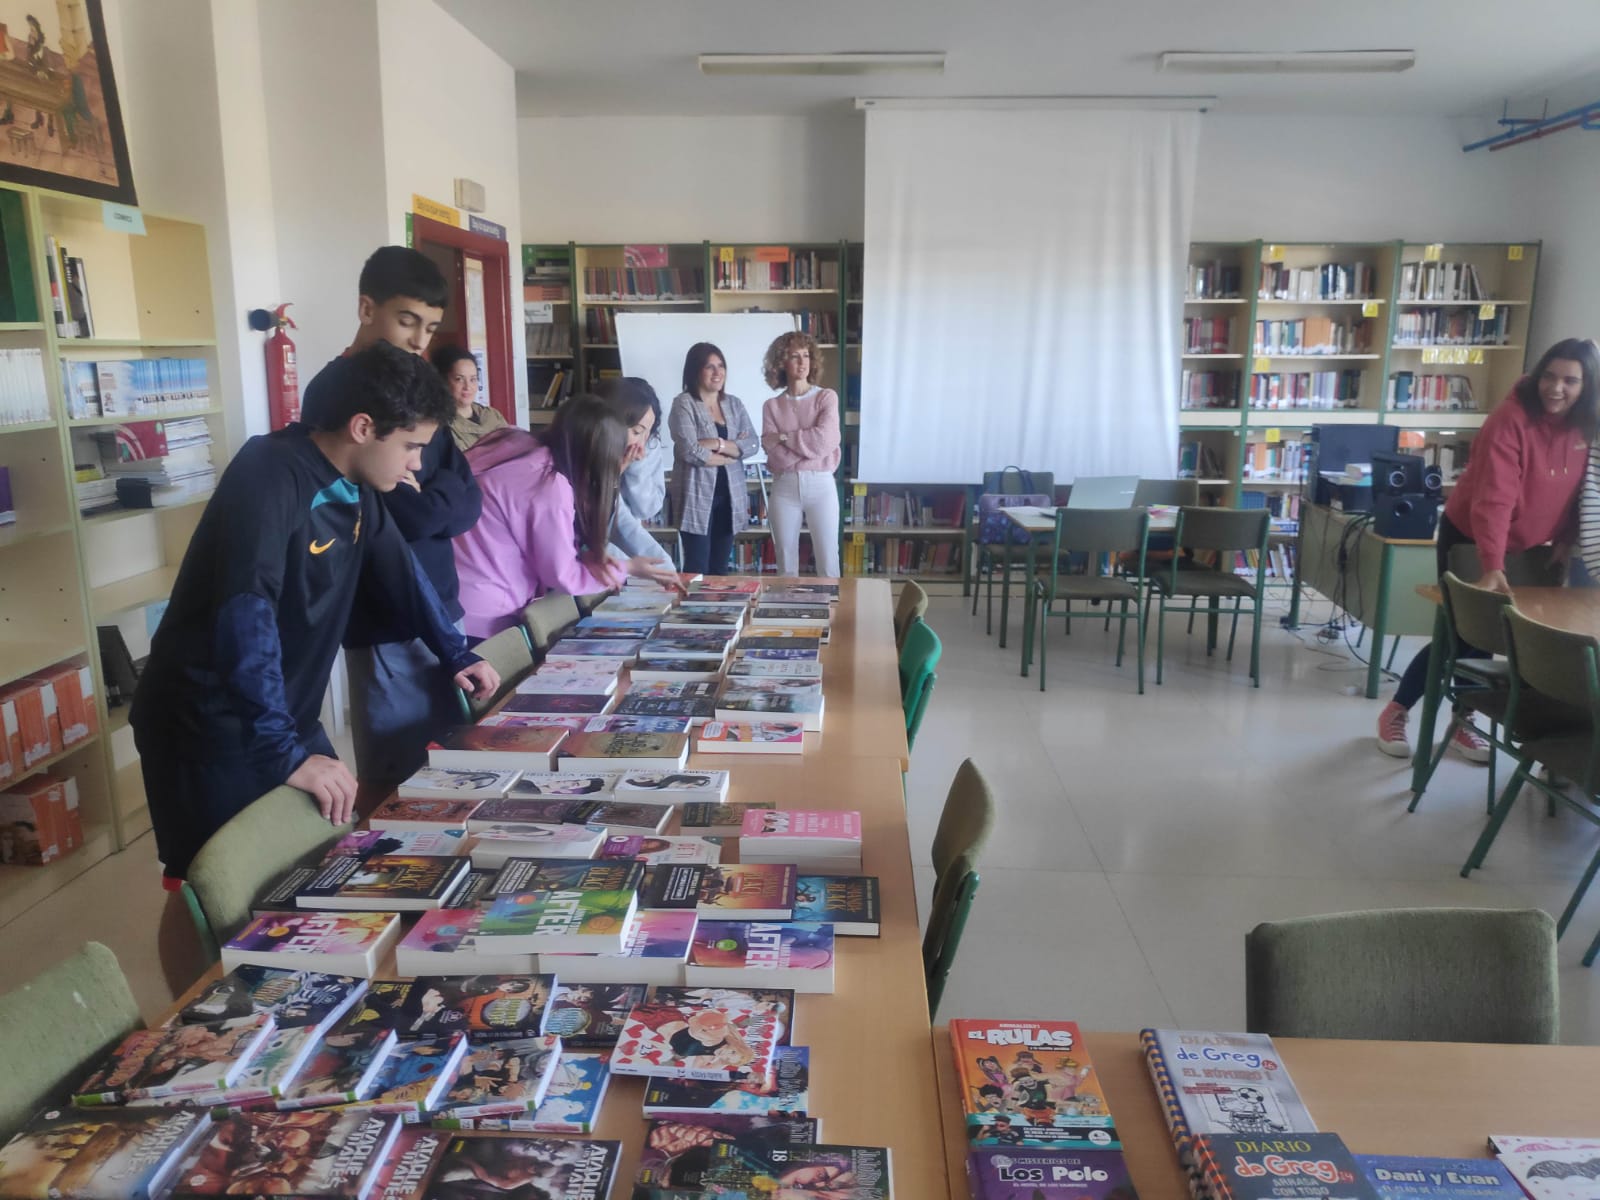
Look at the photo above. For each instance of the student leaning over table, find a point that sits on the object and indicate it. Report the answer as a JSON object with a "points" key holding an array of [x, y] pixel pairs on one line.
{"points": [[1520, 490], [643, 486], [800, 433]]}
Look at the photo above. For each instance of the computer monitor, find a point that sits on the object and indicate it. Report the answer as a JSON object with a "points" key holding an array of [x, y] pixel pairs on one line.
{"points": [[1103, 491], [1337, 446]]}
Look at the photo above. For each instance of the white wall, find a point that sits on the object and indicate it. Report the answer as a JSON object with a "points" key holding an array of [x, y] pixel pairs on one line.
{"points": [[450, 111], [755, 178], [1561, 178]]}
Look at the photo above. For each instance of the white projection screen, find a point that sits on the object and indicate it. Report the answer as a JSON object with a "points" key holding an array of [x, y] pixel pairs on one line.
{"points": [[1024, 276], [653, 346]]}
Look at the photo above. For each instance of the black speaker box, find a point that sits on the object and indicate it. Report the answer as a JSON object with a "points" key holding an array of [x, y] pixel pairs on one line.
{"points": [[1395, 474], [1413, 516]]}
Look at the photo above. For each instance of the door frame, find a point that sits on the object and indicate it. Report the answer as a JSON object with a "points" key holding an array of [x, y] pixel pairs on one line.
{"points": [[496, 256]]}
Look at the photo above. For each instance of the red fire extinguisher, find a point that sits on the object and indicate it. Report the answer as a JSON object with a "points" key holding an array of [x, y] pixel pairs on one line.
{"points": [[283, 375]]}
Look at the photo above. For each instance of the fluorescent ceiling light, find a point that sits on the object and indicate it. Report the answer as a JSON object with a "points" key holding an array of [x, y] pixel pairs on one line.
{"points": [[1292, 62], [822, 64], [1158, 103]]}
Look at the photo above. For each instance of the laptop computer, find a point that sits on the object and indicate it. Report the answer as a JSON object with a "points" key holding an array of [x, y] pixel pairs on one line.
{"points": [[1103, 491]]}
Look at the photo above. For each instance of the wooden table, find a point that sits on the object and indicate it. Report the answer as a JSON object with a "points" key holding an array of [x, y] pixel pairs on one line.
{"points": [[1425, 1098], [872, 1072], [1576, 610]]}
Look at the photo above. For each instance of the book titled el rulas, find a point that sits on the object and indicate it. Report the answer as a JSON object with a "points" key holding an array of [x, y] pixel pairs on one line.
{"points": [[703, 1033], [1279, 1166], [1004, 1172], [311, 1154], [1030, 1083]]}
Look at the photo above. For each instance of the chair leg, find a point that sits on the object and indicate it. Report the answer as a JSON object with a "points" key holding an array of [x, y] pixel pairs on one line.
{"points": [[1041, 627], [988, 612], [1233, 630], [1496, 819], [1255, 644], [1213, 607], [977, 572], [1193, 602], [1122, 628], [1583, 886], [1161, 638], [1494, 753], [1594, 948], [1433, 764], [1393, 650], [1140, 615]]}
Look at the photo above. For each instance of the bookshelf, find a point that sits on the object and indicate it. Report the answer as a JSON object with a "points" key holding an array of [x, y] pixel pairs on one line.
{"points": [[672, 279], [63, 574], [547, 321]]}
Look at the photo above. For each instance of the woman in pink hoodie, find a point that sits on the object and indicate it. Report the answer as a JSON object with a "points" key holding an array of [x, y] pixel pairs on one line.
{"points": [[800, 433], [1520, 490], [547, 507]]}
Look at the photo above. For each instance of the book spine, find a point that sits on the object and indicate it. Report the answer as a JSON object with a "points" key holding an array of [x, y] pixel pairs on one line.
{"points": [[1172, 1109], [52, 265]]}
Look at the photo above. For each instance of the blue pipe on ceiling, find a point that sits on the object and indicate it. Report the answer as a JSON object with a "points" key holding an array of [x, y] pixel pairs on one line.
{"points": [[1584, 116]]}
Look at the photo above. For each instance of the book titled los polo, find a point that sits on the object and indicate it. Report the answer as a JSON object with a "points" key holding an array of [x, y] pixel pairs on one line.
{"points": [[761, 954], [388, 883], [751, 737], [400, 814], [456, 783], [348, 943], [1030, 1083], [1003, 1172], [688, 1033], [99, 1153], [625, 752], [1279, 1166], [498, 747], [311, 1154]]}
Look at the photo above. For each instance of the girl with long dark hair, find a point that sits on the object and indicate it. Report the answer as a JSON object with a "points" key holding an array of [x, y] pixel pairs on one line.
{"points": [[711, 437]]}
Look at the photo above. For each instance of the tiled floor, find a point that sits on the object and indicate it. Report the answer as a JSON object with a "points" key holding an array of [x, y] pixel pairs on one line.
{"points": [[1140, 837]]}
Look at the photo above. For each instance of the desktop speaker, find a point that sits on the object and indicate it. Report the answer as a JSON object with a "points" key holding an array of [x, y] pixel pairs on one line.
{"points": [[1395, 474], [1406, 496]]}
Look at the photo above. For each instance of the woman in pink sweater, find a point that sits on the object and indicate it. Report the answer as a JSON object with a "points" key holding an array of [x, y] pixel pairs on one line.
{"points": [[547, 509], [800, 433], [1520, 490]]}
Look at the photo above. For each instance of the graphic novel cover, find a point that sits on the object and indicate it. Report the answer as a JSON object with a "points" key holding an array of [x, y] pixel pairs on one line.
{"points": [[591, 1017], [98, 1153], [477, 1167], [1396, 1177], [701, 1033], [502, 1077], [1289, 1166], [1030, 1083], [315, 1153], [785, 1089], [1004, 1172], [482, 1007], [415, 1077], [152, 1063], [678, 1150]]}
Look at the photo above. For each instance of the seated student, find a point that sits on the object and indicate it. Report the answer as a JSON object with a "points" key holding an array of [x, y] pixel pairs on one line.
{"points": [[548, 501], [472, 420], [400, 695], [227, 708], [644, 487]]}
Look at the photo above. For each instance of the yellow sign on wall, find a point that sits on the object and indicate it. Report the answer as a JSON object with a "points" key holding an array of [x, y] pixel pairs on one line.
{"points": [[1514, 253], [435, 211]]}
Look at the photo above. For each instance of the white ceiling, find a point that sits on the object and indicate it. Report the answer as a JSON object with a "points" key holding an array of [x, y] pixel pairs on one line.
{"points": [[602, 57]]}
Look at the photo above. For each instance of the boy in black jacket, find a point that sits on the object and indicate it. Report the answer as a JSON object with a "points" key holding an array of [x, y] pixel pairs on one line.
{"points": [[228, 706], [400, 694]]}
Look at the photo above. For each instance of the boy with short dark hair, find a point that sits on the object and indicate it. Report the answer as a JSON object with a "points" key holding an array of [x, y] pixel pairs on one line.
{"points": [[228, 707], [400, 694]]}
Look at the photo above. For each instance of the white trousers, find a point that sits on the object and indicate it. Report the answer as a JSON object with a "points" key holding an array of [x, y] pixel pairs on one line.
{"points": [[812, 498]]}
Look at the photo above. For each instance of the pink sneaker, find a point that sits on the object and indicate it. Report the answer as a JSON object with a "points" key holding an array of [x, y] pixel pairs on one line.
{"points": [[1471, 745], [1392, 731]]}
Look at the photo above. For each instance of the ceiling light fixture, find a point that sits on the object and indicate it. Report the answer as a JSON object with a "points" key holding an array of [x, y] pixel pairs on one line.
{"points": [[984, 103], [929, 62], [1291, 62]]}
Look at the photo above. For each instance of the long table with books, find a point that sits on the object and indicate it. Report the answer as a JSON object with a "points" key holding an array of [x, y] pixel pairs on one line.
{"points": [[1414, 1099], [762, 1046]]}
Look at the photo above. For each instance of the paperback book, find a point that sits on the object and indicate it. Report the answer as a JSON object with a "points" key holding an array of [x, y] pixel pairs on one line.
{"points": [[702, 1033], [351, 943], [311, 1154], [571, 1101], [445, 942], [785, 1089], [789, 668], [719, 820], [1395, 1177], [693, 702], [563, 785], [498, 748], [849, 903], [800, 699], [678, 1150], [653, 952], [414, 1078], [591, 1017], [1030, 1083], [1295, 1166], [576, 700], [663, 848], [449, 783], [749, 892], [676, 670], [684, 646], [535, 720], [484, 1008], [550, 922], [380, 842], [521, 810], [672, 887], [625, 751], [622, 816], [755, 737], [1555, 1174], [344, 1068], [502, 1078], [622, 649], [416, 1151], [631, 724], [570, 679], [675, 787], [807, 653], [389, 883], [99, 1153], [151, 1064], [791, 1168], [1004, 1172], [405, 813], [498, 843], [761, 954], [567, 875], [538, 1168]]}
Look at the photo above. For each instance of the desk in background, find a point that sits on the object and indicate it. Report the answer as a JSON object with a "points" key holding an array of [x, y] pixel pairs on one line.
{"points": [[1437, 1099], [1372, 578]]}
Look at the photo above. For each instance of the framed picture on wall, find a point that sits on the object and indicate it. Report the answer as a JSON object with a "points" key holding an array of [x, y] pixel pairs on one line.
{"points": [[60, 122]]}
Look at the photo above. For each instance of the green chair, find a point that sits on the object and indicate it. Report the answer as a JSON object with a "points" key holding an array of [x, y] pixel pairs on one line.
{"points": [[919, 660], [256, 848], [587, 604], [510, 653], [1011, 481], [1566, 668], [1222, 532], [912, 605], [964, 827], [56, 1027], [1176, 493], [546, 617], [1100, 534], [1409, 975]]}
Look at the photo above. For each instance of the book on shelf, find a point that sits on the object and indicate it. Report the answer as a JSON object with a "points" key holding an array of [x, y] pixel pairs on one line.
{"points": [[1312, 336], [456, 783], [1396, 1177], [592, 1017], [1452, 327], [313, 1154], [850, 903], [1004, 1172], [1320, 281], [1413, 392], [446, 942], [775, 269], [444, 812], [751, 737], [497, 748], [643, 283], [95, 1153], [533, 839], [689, 1033], [1435, 280], [661, 848], [152, 1064], [654, 948], [761, 954], [1254, 1166], [749, 891], [1208, 390], [1030, 1083], [553, 922], [625, 751], [1306, 389], [502, 1078], [1213, 280], [414, 1077], [675, 787], [385, 883], [346, 943], [24, 399], [1207, 335], [784, 1089]]}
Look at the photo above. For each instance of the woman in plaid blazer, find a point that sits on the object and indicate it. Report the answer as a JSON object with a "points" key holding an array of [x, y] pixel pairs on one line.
{"points": [[711, 437]]}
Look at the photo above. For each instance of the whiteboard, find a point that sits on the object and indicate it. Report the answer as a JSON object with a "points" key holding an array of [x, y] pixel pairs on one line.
{"points": [[653, 347]]}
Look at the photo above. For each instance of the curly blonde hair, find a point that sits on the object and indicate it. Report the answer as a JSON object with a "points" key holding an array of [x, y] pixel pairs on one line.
{"points": [[772, 363]]}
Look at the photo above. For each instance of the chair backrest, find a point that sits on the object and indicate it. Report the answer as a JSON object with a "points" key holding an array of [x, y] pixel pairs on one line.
{"points": [[1095, 531], [1524, 568], [1174, 493], [511, 654], [257, 846], [55, 1027], [1222, 528], [546, 617], [966, 820], [1561, 664], [947, 920], [911, 606], [587, 604], [1474, 613], [919, 661], [1410, 975]]}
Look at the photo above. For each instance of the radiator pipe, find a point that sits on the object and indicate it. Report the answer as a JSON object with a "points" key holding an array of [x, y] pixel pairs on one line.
{"points": [[1582, 116]]}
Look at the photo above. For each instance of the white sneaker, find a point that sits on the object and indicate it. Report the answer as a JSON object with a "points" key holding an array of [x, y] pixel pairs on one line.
{"points": [[1392, 738]]}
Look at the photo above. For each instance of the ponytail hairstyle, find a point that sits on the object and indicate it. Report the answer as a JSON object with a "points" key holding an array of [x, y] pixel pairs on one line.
{"points": [[586, 443], [1583, 415]]}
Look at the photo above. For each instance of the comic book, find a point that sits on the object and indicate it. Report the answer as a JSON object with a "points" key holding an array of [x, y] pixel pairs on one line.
{"points": [[678, 1150], [571, 1103], [1030, 1083], [591, 1017], [98, 1153], [414, 1077], [780, 1169], [749, 892], [1395, 1177], [311, 1154], [1224, 1083], [481, 1007], [343, 1068], [480, 1166], [153, 1063], [411, 1160], [502, 1078], [702, 1033], [445, 942], [295, 999], [1004, 1172], [785, 1089], [1289, 1166]]}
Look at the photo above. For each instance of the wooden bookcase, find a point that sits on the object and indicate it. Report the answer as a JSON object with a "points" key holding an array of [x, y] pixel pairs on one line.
{"points": [[601, 286], [63, 574], [551, 345]]}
